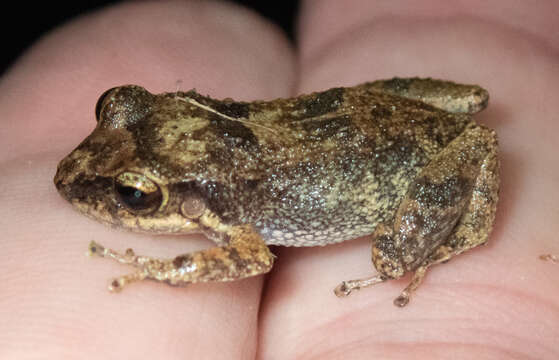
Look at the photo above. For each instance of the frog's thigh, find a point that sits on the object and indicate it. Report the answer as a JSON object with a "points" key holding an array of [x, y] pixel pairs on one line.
{"points": [[245, 255], [475, 223], [454, 198]]}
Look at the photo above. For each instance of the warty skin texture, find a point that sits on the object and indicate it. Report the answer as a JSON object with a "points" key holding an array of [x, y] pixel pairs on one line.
{"points": [[327, 167]]}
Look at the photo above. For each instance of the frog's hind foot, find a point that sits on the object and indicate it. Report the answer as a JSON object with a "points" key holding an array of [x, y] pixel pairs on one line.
{"points": [[404, 298], [346, 287], [550, 257]]}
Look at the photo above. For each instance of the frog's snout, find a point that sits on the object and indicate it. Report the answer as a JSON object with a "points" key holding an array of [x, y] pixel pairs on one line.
{"points": [[61, 177], [70, 179]]}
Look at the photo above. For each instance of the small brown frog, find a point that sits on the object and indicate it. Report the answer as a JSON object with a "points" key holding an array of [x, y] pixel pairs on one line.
{"points": [[400, 160]]}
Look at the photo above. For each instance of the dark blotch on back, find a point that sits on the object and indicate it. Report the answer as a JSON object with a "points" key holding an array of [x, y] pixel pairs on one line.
{"points": [[321, 103], [233, 133], [320, 129], [230, 108], [233, 109], [381, 112], [396, 85]]}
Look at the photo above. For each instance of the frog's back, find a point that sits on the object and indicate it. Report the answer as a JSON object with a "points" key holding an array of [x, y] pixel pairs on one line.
{"points": [[339, 161]]}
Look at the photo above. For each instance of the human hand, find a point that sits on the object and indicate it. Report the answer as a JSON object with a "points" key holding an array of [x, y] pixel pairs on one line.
{"points": [[493, 302]]}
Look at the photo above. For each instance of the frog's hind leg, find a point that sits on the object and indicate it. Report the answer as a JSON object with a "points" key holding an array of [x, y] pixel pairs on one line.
{"points": [[245, 255], [461, 184], [441, 255], [446, 95], [474, 226]]}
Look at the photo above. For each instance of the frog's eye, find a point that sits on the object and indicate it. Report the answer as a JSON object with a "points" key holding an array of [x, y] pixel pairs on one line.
{"points": [[99, 105], [193, 206], [137, 193]]}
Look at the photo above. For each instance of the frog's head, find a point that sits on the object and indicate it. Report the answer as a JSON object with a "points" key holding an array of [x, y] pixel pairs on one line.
{"points": [[138, 168]]}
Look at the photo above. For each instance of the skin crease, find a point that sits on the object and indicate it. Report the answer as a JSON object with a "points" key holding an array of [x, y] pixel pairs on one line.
{"points": [[499, 301]]}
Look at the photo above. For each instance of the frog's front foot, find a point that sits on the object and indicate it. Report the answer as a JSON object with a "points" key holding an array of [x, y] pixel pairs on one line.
{"points": [[96, 249], [129, 258], [245, 255]]}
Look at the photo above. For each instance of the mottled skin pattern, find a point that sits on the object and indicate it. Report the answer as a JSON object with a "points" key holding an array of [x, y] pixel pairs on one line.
{"points": [[400, 159]]}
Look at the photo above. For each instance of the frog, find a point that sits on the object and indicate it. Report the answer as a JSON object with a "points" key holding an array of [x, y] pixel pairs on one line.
{"points": [[401, 161]]}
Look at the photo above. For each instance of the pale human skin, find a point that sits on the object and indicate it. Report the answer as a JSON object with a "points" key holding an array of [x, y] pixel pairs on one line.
{"points": [[499, 301]]}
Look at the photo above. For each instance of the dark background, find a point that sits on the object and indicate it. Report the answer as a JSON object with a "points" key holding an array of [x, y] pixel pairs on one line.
{"points": [[24, 22]]}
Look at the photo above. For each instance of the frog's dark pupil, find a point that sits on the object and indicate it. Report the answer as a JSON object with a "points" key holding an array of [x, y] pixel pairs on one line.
{"points": [[136, 199]]}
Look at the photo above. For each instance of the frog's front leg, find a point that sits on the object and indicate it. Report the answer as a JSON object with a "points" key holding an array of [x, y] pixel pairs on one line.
{"points": [[245, 255], [448, 209]]}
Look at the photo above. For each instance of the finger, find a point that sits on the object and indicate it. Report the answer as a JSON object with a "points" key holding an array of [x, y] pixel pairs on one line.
{"points": [[346, 44], [55, 299]]}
